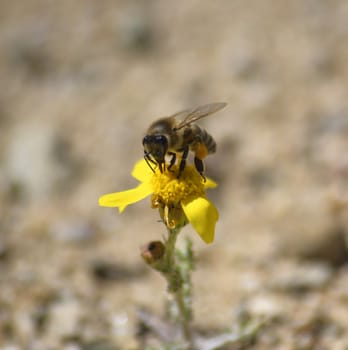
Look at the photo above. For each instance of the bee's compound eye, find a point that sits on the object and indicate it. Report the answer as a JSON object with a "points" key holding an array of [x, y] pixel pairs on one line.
{"points": [[147, 139], [161, 139]]}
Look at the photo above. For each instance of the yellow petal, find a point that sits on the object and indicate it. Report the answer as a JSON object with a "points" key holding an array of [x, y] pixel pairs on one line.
{"points": [[210, 183], [203, 216], [142, 171], [124, 198]]}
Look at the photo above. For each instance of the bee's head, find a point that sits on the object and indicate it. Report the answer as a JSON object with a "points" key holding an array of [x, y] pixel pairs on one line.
{"points": [[155, 146]]}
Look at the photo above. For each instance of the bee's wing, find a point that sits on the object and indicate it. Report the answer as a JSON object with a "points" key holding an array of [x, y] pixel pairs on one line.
{"points": [[182, 114], [191, 115]]}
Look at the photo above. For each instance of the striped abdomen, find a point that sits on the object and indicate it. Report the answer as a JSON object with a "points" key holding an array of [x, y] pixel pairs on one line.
{"points": [[202, 143]]}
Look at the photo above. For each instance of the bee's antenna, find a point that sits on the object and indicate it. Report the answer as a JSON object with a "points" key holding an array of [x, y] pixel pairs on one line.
{"points": [[149, 160]]}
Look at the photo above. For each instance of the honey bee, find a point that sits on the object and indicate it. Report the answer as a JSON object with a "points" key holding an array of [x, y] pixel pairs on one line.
{"points": [[170, 137]]}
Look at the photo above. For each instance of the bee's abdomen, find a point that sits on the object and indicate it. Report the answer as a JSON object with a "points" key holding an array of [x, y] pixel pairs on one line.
{"points": [[202, 137]]}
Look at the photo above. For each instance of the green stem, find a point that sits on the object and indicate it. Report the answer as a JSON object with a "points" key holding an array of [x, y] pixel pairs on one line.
{"points": [[184, 318], [170, 249], [176, 277], [176, 268]]}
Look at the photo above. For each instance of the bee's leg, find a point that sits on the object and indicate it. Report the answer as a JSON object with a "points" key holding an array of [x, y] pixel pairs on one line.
{"points": [[200, 167], [183, 160], [172, 161]]}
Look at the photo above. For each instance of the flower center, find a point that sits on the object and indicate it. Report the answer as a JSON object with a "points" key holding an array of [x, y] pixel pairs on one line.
{"points": [[169, 190]]}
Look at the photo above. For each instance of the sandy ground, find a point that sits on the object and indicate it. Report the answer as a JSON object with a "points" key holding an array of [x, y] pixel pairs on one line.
{"points": [[80, 81]]}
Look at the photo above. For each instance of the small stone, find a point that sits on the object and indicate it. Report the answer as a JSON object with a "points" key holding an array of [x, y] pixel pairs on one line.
{"points": [[327, 245], [37, 162], [120, 324], [136, 29], [72, 346], [264, 305], [11, 347], [4, 251], [245, 64], [24, 326], [64, 319], [301, 278], [103, 270], [76, 230], [331, 248]]}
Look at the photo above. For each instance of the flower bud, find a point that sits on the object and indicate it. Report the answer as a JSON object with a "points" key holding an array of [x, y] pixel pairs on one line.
{"points": [[152, 251]]}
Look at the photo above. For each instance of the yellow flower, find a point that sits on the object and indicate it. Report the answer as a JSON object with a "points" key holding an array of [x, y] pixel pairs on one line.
{"points": [[179, 200]]}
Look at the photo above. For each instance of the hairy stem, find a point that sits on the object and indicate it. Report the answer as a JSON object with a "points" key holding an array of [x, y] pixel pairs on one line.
{"points": [[177, 275]]}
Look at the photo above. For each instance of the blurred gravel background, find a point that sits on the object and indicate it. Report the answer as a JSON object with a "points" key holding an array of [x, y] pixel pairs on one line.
{"points": [[81, 80]]}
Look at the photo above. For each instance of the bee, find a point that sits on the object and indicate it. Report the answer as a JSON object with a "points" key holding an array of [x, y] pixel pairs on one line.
{"points": [[171, 137]]}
